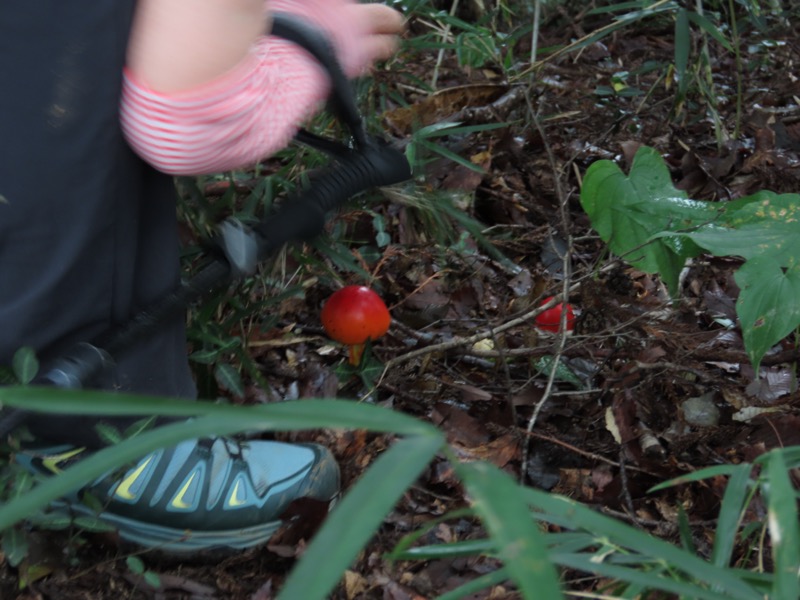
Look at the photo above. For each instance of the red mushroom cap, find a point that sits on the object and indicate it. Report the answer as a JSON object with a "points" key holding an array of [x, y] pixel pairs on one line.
{"points": [[550, 320], [355, 314]]}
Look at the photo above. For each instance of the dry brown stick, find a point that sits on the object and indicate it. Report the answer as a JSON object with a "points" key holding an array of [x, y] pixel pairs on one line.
{"points": [[585, 453]]}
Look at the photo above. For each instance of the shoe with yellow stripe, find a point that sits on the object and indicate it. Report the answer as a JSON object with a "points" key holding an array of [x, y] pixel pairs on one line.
{"points": [[201, 495]]}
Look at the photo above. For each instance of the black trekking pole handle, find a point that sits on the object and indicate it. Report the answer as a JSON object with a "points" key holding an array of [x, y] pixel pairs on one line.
{"points": [[299, 219]]}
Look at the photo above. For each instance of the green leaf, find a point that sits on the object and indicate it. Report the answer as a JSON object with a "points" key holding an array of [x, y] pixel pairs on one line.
{"points": [[683, 44], [544, 365], [711, 29], [92, 524], [783, 529], [440, 551], [730, 513], [135, 565], [571, 514], [357, 517], [500, 504], [25, 364], [764, 224], [153, 579], [629, 211], [471, 588], [229, 379], [216, 420], [15, 546], [765, 230], [698, 475], [768, 305]]}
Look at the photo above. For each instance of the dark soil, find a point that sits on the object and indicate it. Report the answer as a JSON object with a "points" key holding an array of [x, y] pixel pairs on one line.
{"points": [[639, 358]]}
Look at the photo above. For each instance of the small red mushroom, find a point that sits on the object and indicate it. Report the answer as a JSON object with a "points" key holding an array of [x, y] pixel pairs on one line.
{"points": [[550, 320], [353, 315]]}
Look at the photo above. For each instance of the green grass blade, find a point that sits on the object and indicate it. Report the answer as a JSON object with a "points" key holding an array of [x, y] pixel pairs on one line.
{"points": [[451, 550], [113, 457], [501, 505], [476, 585], [733, 501], [580, 517], [698, 475], [647, 579], [217, 420], [286, 416], [358, 516], [408, 540], [783, 529], [683, 44]]}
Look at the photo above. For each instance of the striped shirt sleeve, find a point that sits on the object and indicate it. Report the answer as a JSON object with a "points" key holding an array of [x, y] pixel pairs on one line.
{"points": [[231, 123]]}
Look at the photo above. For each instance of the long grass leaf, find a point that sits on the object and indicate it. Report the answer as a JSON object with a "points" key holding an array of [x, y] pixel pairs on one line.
{"points": [[357, 517], [730, 513], [620, 534], [286, 416], [783, 529], [476, 585], [698, 475], [647, 579], [501, 505]]}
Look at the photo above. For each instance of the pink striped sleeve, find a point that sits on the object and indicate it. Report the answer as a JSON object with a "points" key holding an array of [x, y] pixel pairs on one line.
{"points": [[231, 123]]}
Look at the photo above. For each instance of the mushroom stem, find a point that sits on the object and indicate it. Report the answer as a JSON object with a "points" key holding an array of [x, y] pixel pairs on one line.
{"points": [[356, 351]]}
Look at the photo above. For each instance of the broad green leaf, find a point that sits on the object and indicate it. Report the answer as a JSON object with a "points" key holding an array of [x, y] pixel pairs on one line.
{"points": [[784, 530], [629, 211], [501, 505], [764, 224], [764, 229], [768, 305], [357, 517]]}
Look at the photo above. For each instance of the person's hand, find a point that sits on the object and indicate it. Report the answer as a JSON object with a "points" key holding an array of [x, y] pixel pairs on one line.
{"points": [[360, 33]]}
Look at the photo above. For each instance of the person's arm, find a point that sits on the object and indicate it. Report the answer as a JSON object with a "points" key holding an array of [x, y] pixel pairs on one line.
{"points": [[215, 94], [177, 45]]}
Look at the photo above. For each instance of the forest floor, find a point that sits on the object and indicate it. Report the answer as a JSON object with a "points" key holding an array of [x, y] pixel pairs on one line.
{"points": [[619, 422]]}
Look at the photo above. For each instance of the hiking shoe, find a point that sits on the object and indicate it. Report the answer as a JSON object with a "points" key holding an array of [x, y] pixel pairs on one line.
{"points": [[201, 495]]}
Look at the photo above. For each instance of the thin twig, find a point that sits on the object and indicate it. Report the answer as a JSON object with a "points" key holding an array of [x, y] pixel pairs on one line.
{"points": [[440, 56], [565, 289]]}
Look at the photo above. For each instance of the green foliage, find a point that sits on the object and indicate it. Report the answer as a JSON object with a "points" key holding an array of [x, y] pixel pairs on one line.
{"points": [[25, 364], [137, 567], [656, 228], [349, 528], [627, 211], [517, 519], [638, 562]]}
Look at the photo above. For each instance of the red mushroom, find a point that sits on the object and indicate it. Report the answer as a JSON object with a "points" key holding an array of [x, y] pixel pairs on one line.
{"points": [[353, 315], [550, 320]]}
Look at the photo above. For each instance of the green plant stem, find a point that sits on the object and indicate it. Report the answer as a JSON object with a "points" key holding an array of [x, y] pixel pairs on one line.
{"points": [[537, 12], [738, 54], [440, 56]]}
